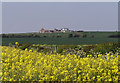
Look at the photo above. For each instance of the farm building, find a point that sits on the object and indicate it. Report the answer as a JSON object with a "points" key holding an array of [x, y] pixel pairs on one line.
{"points": [[45, 31], [42, 30], [65, 30], [55, 30]]}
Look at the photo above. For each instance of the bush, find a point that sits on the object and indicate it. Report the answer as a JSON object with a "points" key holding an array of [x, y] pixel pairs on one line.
{"points": [[88, 48], [70, 35], [76, 35], [62, 47], [10, 44], [58, 36], [114, 36], [39, 49], [24, 46], [107, 47], [44, 36], [84, 36]]}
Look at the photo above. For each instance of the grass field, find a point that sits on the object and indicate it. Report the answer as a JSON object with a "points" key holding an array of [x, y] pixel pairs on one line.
{"points": [[58, 41], [99, 37]]}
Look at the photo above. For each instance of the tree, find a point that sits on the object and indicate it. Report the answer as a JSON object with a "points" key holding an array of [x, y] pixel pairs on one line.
{"points": [[76, 35], [70, 35], [84, 35]]}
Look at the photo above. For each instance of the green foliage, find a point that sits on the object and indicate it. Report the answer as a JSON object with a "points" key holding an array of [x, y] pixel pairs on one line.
{"points": [[24, 46], [70, 35], [39, 48], [88, 48], [43, 49], [107, 47], [10, 44], [74, 49], [62, 47], [62, 39]]}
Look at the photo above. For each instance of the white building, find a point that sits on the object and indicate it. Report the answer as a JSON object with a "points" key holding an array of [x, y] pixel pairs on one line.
{"points": [[65, 30]]}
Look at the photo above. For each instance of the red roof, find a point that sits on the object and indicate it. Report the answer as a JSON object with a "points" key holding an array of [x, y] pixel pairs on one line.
{"points": [[47, 31], [42, 29]]}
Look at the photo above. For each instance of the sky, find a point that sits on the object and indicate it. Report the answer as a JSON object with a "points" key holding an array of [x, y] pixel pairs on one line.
{"points": [[21, 17], [59, 0]]}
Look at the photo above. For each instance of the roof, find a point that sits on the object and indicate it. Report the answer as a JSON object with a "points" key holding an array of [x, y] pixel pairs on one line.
{"points": [[64, 28], [42, 29]]}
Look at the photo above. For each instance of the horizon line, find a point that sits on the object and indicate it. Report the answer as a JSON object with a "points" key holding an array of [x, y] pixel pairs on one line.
{"points": [[56, 32]]}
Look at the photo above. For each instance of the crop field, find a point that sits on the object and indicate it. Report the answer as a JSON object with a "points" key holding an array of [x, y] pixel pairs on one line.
{"points": [[18, 65], [60, 57], [61, 38], [58, 41], [31, 65]]}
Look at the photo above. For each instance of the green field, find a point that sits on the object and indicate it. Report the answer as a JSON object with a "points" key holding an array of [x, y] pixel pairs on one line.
{"points": [[99, 37]]}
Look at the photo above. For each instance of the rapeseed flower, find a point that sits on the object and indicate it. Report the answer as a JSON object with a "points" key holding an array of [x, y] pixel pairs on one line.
{"points": [[31, 65]]}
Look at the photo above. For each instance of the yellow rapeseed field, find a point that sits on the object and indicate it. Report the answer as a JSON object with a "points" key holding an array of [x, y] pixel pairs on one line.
{"points": [[24, 65]]}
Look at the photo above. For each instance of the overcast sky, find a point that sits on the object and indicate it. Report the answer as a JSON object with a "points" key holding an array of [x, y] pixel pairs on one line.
{"points": [[32, 16], [60, 0]]}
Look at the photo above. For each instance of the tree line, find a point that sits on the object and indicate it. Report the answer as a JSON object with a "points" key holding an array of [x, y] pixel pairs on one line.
{"points": [[38, 36]]}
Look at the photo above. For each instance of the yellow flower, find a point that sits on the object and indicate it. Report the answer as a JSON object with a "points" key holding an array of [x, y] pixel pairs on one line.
{"points": [[26, 65], [16, 43]]}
